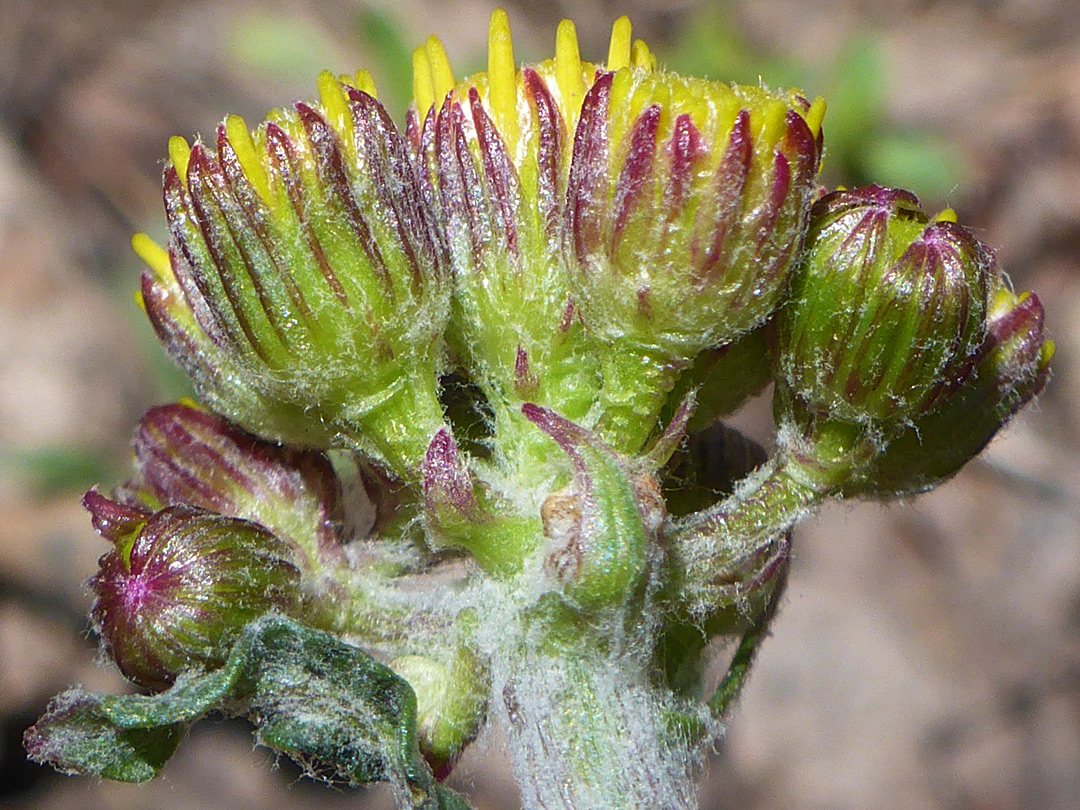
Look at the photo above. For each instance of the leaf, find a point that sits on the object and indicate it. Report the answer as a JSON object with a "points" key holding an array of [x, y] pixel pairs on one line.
{"points": [[52, 469], [328, 705]]}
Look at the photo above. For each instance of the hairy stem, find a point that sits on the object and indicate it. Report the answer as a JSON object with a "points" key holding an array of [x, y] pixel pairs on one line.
{"points": [[588, 732]]}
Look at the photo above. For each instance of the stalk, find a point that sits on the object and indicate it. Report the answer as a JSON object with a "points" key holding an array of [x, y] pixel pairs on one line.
{"points": [[637, 382], [587, 732]]}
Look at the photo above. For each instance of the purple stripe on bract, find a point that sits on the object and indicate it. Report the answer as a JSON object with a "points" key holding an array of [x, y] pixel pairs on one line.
{"points": [[202, 176], [800, 140], [413, 127], [113, 520], [446, 481], [450, 176], [501, 176], [638, 170], [397, 186], [175, 484], [181, 346], [588, 168], [330, 164], [568, 317], [426, 167], [1025, 320], [236, 218], [551, 132], [778, 195], [285, 163], [185, 269], [526, 384], [178, 464], [685, 148], [729, 186], [463, 188], [566, 434], [256, 215]]}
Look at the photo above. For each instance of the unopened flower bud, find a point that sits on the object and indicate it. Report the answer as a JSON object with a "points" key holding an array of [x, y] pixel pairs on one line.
{"points": [[886, 308], [687, 204], [184, 455], [177, 589], [305, 288], [1010, 368], [449, 704]]}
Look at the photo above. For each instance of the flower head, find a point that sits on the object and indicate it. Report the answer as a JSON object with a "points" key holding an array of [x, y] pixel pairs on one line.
{"points": [[184, 455], [305, 285], [687, 204], [1010, 368], [497, 148], [886, 308]]}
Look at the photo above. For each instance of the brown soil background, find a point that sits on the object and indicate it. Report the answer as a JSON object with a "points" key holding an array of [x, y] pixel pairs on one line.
{"points": [[927, 654]]}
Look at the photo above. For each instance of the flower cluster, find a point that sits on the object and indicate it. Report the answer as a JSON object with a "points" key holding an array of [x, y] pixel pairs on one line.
{"points": [[461, 386]]}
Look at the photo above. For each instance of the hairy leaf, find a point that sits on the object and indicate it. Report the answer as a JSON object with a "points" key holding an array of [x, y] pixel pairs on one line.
{"points": [[328, 705]]}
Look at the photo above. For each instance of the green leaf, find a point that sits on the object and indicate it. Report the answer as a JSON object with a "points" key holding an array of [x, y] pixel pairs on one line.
{"points": [[280, 46], [381, 35], [328, 705], [53, 469]]}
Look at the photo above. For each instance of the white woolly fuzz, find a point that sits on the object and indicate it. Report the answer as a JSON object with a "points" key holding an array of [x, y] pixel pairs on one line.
{"points": [[587, 733]]}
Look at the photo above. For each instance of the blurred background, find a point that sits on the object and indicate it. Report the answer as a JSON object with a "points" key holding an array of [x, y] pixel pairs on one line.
{"points": [[927, 654]]}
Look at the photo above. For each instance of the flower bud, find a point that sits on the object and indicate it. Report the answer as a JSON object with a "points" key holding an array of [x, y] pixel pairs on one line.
{"points": [[449, 704], [305, 285], [188, 456], [178, 588], [687, 203], [1010, 368], [602, 524], [886, 308]]}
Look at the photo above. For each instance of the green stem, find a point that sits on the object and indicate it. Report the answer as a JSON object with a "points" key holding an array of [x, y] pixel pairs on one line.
{"points": [[711, 549], [637, 382], [588, 730], [397, 429], [731, 685]]}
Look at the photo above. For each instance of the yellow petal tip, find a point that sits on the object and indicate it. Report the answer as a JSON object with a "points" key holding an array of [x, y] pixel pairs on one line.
{"points": [[641, 57], [568, 67], [442, 76], [365, 83], [236, 130], [179, 154], [502, 76], [335, 104], [423, 92], [153, 254], [1046, 353], [619, 48], [815, 115]]}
